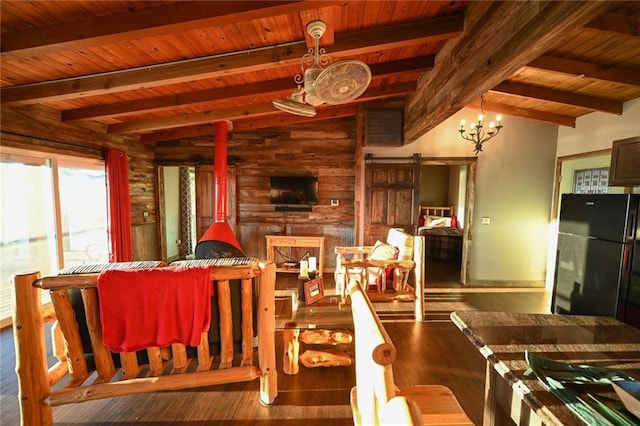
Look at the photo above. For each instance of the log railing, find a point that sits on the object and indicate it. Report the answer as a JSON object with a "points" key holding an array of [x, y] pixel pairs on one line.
{"points": [[167, 368], [376, 400]]}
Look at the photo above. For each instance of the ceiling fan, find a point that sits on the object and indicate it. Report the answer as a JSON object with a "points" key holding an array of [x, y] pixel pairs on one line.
{"points": [[334, 84]]}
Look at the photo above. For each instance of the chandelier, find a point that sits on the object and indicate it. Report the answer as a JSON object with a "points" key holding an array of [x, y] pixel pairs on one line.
{"points": [[478, 135], [322, 81]]}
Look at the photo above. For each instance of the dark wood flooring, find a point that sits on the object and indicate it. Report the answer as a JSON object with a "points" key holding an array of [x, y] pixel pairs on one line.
{"points": [[430, 351]]}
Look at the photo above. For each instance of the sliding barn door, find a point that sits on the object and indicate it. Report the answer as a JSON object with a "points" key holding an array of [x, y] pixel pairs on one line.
{"points": [[391, 199], [205, 201]]}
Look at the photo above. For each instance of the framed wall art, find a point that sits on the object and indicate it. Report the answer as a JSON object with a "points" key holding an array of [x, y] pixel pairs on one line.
{"points": [[313, 291]]}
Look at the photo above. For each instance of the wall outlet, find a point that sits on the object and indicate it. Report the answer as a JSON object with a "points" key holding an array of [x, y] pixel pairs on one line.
{"points": [[335, 202]]}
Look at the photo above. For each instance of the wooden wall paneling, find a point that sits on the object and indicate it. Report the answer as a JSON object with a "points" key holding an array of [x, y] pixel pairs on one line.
{"points": [[251, 238], [336, 236], [145, 241], [325, 150]]}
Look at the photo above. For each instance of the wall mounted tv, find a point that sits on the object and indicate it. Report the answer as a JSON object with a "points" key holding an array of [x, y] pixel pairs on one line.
{"points": [[293, 190]]}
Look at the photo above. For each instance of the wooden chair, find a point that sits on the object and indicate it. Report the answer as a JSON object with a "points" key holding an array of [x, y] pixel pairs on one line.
{"points": [[169, 368], [376, 400], [354, 263]]}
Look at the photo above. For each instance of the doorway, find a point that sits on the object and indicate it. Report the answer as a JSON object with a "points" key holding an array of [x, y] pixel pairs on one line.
{"points": [[448, 182], [186, 207], [176, 212]]}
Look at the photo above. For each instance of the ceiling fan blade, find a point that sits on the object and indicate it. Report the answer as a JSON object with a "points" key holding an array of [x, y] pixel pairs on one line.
{"points": [[293, 107]]}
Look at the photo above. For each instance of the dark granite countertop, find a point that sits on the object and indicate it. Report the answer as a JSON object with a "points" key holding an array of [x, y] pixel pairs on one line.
{"points": [[503, 338]]}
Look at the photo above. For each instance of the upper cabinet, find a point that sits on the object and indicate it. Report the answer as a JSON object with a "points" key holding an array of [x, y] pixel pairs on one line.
{"points": [[625, 162]]}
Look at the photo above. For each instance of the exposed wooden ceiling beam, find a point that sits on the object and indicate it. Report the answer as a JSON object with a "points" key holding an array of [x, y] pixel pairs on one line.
{"points": [[617, 23], [169, 102], [256, 110], [499, 38], [377, 39], [149, 22], [559, 96], [278, 119], [382, 70], [180, 120], [177, 133], [549, 117], [586, 70]]}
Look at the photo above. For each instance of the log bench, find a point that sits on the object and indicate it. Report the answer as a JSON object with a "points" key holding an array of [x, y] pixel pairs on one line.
{"points": [[357, 262], [71, 379], [376, 400]]}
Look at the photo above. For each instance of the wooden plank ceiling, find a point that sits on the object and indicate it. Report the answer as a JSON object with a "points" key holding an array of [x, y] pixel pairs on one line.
{"points": [[166, 70]]}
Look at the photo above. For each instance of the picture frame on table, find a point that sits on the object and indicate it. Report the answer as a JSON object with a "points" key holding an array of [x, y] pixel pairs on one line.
{"points": [[313, 291]]}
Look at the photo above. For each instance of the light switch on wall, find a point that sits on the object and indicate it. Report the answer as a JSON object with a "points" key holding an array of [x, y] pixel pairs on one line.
{"points": [[486, 220]]}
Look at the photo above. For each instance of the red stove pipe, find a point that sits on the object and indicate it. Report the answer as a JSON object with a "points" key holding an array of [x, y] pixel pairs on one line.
{"points": [[220, 229], [220, 170]]}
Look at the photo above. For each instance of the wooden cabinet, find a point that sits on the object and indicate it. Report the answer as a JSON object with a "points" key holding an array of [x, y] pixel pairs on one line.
{"points": [[289, 241], [625, 162]]}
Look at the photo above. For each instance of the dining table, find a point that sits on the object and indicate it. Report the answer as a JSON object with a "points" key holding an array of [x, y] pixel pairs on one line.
{"points": [[515, 396]]}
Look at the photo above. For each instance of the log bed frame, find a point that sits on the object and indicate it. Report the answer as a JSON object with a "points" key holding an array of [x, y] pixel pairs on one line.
{"points": [[376, 400], [169, 368], [442, 211]]}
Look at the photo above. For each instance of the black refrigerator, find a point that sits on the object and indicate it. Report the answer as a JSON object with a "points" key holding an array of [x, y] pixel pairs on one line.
{"points": [[598, 257]]}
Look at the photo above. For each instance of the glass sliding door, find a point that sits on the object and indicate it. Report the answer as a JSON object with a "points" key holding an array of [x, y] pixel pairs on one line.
{"points": [[27, 219], [83, 208], [53, 215]]}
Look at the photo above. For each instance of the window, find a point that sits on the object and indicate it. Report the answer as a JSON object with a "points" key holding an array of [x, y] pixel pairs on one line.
{"points": [[54, 214], [591, 181]]}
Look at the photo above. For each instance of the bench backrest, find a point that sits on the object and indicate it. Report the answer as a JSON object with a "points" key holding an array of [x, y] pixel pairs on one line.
{"points": [[166, 367]]}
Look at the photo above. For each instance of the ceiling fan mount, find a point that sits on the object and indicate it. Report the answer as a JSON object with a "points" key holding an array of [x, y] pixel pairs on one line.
{"points": [[322, 81]]}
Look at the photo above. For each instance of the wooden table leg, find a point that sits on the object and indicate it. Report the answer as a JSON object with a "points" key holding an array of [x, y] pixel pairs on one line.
{"points": [[290, 335]]}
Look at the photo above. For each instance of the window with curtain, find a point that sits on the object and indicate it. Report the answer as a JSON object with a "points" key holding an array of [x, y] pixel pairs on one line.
{"points": [[54, 214]]}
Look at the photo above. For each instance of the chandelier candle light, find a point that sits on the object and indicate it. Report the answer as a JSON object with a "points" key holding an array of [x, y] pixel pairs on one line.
{"points": [[477, 134]]}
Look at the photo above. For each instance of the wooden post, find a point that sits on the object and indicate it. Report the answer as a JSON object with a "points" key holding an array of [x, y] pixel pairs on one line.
{"points": [[70, 330], [290, 337], [31, 357], [102, 355], [246, 290], [266, 333], [226, 324], [420, 275]]}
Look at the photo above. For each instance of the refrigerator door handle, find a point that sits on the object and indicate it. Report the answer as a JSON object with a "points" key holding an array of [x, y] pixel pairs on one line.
{"points": [[626, 251]]}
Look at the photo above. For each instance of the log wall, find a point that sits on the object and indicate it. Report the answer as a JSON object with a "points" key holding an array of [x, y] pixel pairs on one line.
{"points": [[325, 150]]}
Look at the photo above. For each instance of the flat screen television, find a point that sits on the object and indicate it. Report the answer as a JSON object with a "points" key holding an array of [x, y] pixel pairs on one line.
{"points": [[293, 190]]}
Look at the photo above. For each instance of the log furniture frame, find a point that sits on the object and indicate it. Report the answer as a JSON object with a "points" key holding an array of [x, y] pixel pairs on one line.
{"points": [[169, 368], [442, 211], [352, 262], [376, 400]]}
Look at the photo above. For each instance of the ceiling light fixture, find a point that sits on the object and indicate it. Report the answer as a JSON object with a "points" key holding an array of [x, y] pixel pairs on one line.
{"points": [[323, 82], [477, 134]]}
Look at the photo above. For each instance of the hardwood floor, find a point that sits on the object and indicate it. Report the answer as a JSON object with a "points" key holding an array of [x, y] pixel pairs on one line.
{"points": [[431, 351]]}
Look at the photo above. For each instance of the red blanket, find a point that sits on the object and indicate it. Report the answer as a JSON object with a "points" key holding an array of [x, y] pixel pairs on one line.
{"points": [[154, 307]]}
